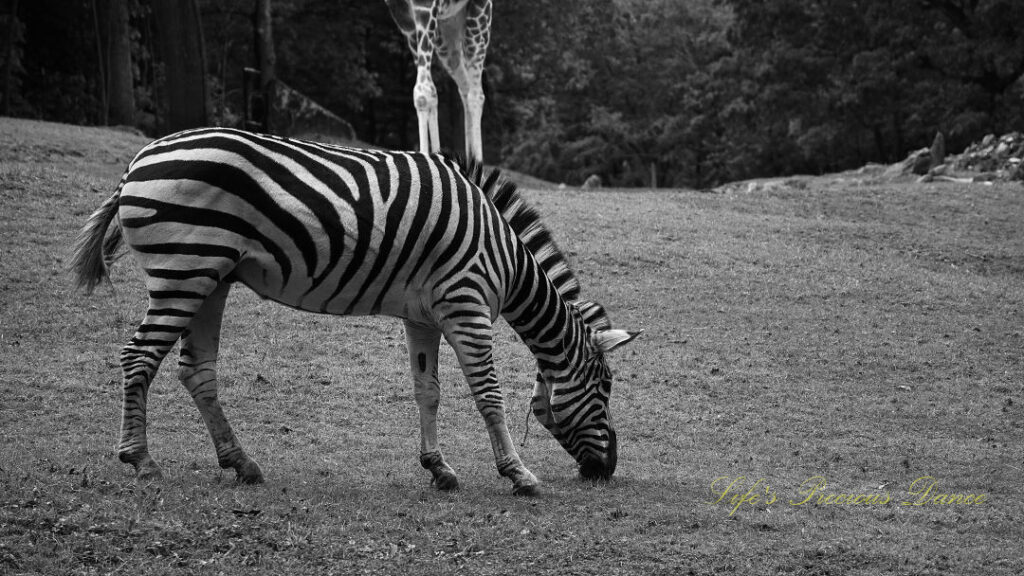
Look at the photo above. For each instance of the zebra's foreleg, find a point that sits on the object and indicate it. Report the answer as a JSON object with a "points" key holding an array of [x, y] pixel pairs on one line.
{"points": [[197, 370], [472, 341], [423, 344]]}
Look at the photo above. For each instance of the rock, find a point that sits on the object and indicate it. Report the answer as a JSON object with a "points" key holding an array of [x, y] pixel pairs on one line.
{"points": [[997, 158], [919, 162], [934, 172], [992, 159], [591, 183]]}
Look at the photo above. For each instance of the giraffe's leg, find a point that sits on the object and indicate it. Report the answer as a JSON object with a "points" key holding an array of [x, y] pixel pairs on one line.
{"points": [[463, 49], [197, 370], [473, 106], [472, 94], [418, 22], [423, 345], [424, 96], [471, 337]]}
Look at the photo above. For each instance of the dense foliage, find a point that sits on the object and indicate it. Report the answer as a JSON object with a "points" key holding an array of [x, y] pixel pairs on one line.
{"points": [[636, 91]]}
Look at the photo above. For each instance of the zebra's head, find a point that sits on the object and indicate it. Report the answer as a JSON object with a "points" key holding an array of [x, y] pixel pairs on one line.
{"points": [[573, 405]]}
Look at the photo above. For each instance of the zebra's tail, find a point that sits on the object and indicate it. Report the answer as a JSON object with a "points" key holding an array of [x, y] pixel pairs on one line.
{"points": [[94, 249]]}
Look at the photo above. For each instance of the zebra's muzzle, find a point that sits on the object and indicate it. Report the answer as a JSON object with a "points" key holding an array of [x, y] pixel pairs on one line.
{"points": [[595, 468]]}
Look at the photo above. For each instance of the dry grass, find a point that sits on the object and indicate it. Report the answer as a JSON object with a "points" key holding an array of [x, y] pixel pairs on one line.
{"points": [[870, 333]]}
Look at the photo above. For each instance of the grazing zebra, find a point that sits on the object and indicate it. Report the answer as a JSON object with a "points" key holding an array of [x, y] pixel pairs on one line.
{"points": [[347, 231]]}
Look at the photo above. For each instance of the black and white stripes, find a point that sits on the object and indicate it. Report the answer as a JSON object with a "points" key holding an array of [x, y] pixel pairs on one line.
{"points": [[349, 231]]}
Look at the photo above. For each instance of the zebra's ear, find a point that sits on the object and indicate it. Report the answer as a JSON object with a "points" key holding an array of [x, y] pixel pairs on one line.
{"points": [[608, 340]]}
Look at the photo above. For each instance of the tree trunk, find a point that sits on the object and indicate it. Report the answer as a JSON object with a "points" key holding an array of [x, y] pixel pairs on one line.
{"points": [[100, 64], [266, 59], [180, 41], [12, 28], [121, 89]]}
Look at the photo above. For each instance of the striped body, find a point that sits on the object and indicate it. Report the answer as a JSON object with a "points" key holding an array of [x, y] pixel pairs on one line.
{"points": [[348, 231], [322, 229]]}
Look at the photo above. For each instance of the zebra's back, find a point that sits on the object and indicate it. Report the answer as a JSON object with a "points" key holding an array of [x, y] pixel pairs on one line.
{"points": [[321, 228]]}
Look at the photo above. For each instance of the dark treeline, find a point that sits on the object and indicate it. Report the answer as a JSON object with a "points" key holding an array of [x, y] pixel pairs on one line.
{"points": [[637, 91]]}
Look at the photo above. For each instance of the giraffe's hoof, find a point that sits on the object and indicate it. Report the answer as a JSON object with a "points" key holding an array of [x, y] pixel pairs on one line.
{"points": [[526, 487], [445, 480], [249, 473]]}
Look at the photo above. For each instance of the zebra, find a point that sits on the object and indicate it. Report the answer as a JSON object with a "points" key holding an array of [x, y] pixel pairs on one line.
{"points": [[348, 231]]}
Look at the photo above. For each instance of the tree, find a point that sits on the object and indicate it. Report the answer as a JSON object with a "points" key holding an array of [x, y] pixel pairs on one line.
{"points": [[13, 31], [607, 90], [180, 39], [979, 43], [120, 79], [266, 56], [833, 83]]}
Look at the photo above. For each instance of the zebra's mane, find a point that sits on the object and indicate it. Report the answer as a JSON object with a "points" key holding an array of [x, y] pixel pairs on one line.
{"points": [[525, 221]]}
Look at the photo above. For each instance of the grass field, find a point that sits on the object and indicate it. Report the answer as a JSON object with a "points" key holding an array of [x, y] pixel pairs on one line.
{"points": [[863, 332]]}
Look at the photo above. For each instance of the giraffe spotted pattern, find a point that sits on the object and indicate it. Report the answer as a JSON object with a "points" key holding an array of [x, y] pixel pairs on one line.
{"points": [[458, 32]]}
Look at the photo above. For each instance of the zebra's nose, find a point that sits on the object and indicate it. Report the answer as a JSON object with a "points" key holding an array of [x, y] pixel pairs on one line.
{"points": [[594, 468]]}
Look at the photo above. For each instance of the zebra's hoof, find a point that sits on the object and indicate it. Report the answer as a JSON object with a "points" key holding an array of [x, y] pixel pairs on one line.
{"points": [[149, 473], [527, 488], [146, 469], [249, 473], [446, 481]]}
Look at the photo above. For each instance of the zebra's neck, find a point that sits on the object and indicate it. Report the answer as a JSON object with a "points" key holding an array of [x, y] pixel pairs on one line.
{"points": [[541, 317]]}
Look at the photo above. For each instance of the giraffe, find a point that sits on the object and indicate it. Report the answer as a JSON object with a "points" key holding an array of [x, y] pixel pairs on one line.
{"points": [[458, 31]]}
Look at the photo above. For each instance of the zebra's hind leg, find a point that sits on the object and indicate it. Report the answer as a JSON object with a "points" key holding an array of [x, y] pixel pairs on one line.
{"points": [[197, 370], [423, 344], [168, 315]]}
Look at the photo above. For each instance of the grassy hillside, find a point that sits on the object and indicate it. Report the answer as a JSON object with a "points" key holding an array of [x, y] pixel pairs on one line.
{"points": [[863, 332]]}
